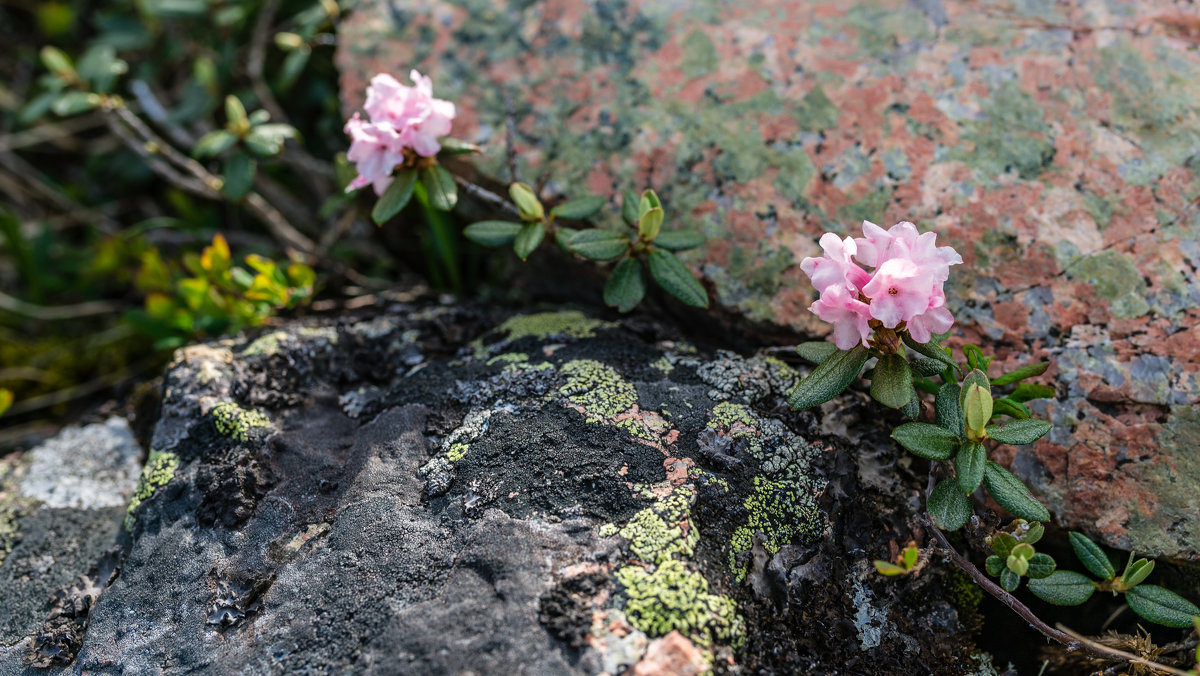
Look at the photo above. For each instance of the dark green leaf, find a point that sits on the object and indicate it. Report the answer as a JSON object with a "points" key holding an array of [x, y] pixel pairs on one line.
{"points": [[600, 245], [925, 385], [266, 140], [1033, 532], [816, 351], [830, 378], [674, 277], [235, 115], [629, 207], [949, 507], [930, 350], [439, 185], [678, 240], [1161, 606], [994, 564], [396, 197], [73, 103], [1008, 407], [927, 367], [1092, 557], [969, 465], [928, 441], [626, 285], [892, 383], [1009, 579], [213, 143], [1030, 391], [293, 65], [1063, 588], [492, 233], [562, 237], [1002, 543], [650, 223], [528, 239], [527, 202], [579, 209], [1041, 566], [452, 146], [1022, 373], [912, 409], [976, 360], [1008, 492], [57, 62], [1138, 572], [238, 176], [1019, 432], [949, 412]]}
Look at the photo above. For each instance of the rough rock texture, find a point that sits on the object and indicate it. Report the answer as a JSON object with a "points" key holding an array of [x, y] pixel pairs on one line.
{"points": [[1054, 144], [561, 495]]}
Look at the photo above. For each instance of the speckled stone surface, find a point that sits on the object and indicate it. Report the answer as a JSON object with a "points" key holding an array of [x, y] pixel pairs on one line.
{"points": [[1056, 146]]}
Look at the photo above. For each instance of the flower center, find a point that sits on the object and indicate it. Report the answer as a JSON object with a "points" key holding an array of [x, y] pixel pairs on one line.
{"points": [[893, 291]]}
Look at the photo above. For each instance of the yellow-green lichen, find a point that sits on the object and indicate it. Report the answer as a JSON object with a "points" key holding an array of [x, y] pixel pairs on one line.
{"points": [[598, 389], [726, 414], [669, 598], [781, 511], [235, 422], [508, 358], [608, 530], [656, 533], [457, 451], [159, 469], [663, 364], [542, 325]]}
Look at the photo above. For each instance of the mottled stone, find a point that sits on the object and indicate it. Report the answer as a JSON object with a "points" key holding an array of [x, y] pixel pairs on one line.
{"points": [[85, 467], [1054, 145]]}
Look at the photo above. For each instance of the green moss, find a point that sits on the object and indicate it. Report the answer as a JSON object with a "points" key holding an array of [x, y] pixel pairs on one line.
{"points": [[782, 511], [159, 469], [543, 325], [598, 389], [656, 533], [235, 422], [669, 598]]}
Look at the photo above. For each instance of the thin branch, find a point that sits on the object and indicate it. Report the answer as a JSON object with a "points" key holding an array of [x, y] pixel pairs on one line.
{"points": [[49, 132], [1115, 654], [510, 135], [486, 195], [258, 55], [55, 313]]}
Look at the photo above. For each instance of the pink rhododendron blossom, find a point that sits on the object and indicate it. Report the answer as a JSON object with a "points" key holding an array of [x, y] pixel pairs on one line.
{"points": [[904, 290], [848, 315], [404, 122]]}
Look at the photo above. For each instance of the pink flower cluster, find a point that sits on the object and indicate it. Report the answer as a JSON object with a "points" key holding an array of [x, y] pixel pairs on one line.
{"points": [[403, 120], [905, 287]]}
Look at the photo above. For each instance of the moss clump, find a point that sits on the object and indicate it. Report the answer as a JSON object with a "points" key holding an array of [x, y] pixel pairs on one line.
{"points": [[672, 598], [657, 533], [570, 324], [159, 469], [235, 422], [781, 511], [598, 389]]}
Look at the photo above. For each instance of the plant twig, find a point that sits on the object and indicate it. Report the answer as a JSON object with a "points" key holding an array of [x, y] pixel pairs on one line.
{"points": [[1115, 654], [486, 195], [510, 135], [44, 313]]}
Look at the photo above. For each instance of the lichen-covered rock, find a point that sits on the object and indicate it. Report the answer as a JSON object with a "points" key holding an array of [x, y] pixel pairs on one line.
{"points": [[1054, 145], [587, 504]]}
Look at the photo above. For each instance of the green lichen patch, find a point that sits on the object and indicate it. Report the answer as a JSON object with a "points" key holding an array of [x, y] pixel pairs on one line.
{"points": [[727, 417], [596, 388], [782, 512], [661, 532], [508, 358], [543, 325], [237, 423], [159, 469], [458, 443], [1012, 136], [1115, 279], [669, 597]]}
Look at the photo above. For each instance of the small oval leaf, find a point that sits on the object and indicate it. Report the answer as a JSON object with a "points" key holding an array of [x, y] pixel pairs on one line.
{"points": [[816, 351], [529, 206], [674, 277], [949, 507], [949, 412], [492, 233], [1091, 556], [1161, 606], [830, 378], [1008, 492], [396, 196], [969, 465], [528, 239], [579, 209], [679, 240], [892, 382], [650, 223], [439, 185], [1019, 432], [1063, 588], [928, 441], [599, 245], [626, 285], [1041, 566]]}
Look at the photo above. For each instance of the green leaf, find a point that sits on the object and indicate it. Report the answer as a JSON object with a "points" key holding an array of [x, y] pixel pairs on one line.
{"points": [[266, 140], [238, 176], [648, 201], [1017, 565], [975, 377], [562, 237], [1022, 373], [1008, 407], [968, 464], [73, 103], [492, 233], [910, 554], [235, 115], [439, 185], [816, 351], [397, 195], [949, 507], [1019, 432], [1002, 543], [949, 412], [527, 202], [976, 360], [1029, 391], [579, 209], [1063, 588], [1041, 566], [674, 277], [1092, 557], [892, 383], [927, 367], [928, 441], [1008, 492], [625, 286], [994, 564], [887, 568], [1023, 550], [930, 349], [6, 400], [213, 143], [453, 146], [830, 378], [977, 408], [1009, 579], [629, 207], [1033, 532], [1161, 606], [1137, 573], [912, 408], [925, 385], [57, 62], [528, 239], [599, 245], [649, 224], [678, 240]]}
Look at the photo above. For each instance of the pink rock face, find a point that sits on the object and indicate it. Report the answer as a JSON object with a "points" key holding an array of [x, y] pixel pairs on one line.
{"points": [[1053, 146]]}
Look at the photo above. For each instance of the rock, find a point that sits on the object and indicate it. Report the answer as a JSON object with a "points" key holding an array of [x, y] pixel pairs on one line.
{"points": [[1054, 146], [284, 523], [85, 467]]}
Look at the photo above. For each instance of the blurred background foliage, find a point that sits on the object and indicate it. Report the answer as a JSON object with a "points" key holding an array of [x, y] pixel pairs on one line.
{"points": [[171, 170]]}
